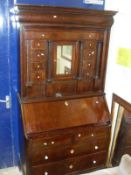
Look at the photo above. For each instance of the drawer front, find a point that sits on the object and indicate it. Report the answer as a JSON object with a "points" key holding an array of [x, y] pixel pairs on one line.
{"points": [[62, 35], [71, 165], [43, 143], [62, 152], [38, 55], [59, 89], [92, 132], [39, 44]]}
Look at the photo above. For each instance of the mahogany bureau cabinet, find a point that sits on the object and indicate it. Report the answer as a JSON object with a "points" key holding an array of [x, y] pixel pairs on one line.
{"points": [[63, 57]]}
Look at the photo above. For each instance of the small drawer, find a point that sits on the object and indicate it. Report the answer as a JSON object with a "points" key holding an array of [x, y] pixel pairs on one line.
{"points": [[43, 143], [103, 131], [60, 89], [37, 66], [71, 165], [39, 44], [38, 76], [38, 55]]}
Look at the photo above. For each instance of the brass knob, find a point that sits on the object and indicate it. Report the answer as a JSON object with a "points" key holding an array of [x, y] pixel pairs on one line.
{"points": [[38, 55], [42, 54], [90, 44], [71, 166], [94, 161], [72, 151], [45, 144], [96, 147], [46, 173], [90, 35], [46, 157], [89, 64]]}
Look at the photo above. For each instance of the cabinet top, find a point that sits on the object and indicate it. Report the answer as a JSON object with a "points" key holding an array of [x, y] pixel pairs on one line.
{"points": [[28, 13]]}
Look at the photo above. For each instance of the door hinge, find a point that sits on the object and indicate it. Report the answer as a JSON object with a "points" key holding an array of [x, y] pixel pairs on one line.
{"points": [[7, 101]]}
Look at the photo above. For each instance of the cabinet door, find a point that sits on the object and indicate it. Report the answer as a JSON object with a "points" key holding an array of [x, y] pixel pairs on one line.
{"points": [[63, 66]]}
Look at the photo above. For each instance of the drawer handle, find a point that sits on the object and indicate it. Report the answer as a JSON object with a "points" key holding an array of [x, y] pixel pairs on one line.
{"points": [[79, 135], [72, 151], [46, 173], [38, 44], [71, 166], [94, 161], [97, 102], [38, 77], [46, 157], [66, 103], [45, 144], [96, 147], [54, 16], [52, 142], [43, 35], [92, 135]]}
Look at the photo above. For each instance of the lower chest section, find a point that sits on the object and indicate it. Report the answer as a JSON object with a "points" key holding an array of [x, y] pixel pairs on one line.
{"points": [[68, 151]]}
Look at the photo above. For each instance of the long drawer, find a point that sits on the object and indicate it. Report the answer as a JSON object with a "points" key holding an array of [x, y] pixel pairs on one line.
{"points": [[70, 165], [64, 152]]}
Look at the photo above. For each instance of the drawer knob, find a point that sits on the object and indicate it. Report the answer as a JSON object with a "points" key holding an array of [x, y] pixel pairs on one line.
{"points": [[54, 16], [42, 54], [92, 135], [38, 55], [96, 147], [43, 35], [38, 66], [90, 35], [97, 102], [92, 52], [46, 173], [38, 44], [66, 103], [90, 44], [52, 142], [45, 144], [72, 151], [89, 64], [94, 161], [79, 135], [38, 77], [71, 166], [46, 157]]}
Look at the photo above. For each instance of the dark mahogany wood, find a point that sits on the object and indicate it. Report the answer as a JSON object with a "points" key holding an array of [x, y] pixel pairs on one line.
{"points": [[65, 117]]}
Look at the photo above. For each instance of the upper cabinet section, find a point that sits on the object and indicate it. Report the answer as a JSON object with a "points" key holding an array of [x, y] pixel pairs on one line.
{"points": [[63, 51]]}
